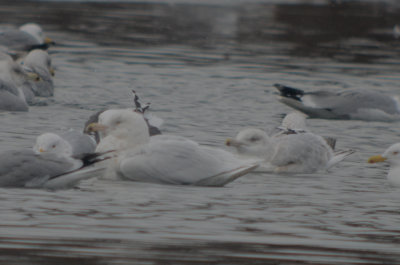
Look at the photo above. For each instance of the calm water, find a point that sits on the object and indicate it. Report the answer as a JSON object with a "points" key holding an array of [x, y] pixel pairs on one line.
{"points": [[208, 71]]}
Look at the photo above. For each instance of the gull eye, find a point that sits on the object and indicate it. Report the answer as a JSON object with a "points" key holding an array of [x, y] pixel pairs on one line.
{"points": [[53, 146], [254, 139], [395, 152]]}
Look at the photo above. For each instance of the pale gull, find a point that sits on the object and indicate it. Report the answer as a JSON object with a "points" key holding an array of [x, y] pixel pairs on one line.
{"points": [[39, 62], [358, 104], [292, 150], [153, 122], [71, 142], [16, 86], [28, 37], [163, 159], [26, 169], [392, 156]]}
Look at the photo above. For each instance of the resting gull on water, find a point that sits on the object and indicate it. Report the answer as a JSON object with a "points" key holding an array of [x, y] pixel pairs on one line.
{"points": [[16, 86], [293, 150], [26, 169], [71, 142], [39, 62], [28, 37], [163, 159], [391, 155], [357, 104]]}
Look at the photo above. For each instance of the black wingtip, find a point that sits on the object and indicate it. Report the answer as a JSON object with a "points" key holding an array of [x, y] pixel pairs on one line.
{"points": [[289, 92], [92, 158]]}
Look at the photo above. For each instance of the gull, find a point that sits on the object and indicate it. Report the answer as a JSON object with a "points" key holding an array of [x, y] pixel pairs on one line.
{"points": [[357, 104], [292, 150], [16, 85], [39, 62], [71, 143], [24, 39], [153, 122], [26, 169], [391, 155], [163, 159]]}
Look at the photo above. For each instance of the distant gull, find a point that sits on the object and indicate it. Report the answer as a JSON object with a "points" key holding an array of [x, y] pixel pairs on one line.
{"points": [[16, 86], [71, 142], [391, 155], [357, 104], [28, 37], [292, 150], [163, 159], [39, 62], [26, 169]]}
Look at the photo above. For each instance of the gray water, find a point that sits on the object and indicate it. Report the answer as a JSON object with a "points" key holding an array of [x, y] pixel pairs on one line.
{"points": [[208, 71]]}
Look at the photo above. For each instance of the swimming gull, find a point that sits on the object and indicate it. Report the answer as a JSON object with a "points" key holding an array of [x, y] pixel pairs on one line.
{"points": [[16, 85], [26, 169], [163, 159], [71, 142], [359, 104], [39, 62], [391, 155], [292, 150], [28, 37]]}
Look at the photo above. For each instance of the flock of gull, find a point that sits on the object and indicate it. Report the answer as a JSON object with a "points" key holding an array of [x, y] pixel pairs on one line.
{"points": [[127, 144]]}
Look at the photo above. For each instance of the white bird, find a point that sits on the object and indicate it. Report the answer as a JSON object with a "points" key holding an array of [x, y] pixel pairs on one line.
{"points": [[25, 169], [153, 122], [391, 155], [39, 62], [358, 104], [163, 158], [69, 143], [28, 37], [294, 121], [16, 85], [291, 150]]}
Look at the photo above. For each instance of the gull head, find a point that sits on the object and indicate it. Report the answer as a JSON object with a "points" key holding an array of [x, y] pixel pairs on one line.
{"points": [[295, 121], [392, 156], [122, 124], [39, 59], [251, 141], [52, 143], [38, 63], [36, 31]]}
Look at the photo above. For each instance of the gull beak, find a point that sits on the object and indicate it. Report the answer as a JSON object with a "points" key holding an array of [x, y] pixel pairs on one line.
{"points": [[41, 150], [376, 159], [34, 77], [52, 72], [232, 142], [47, 40], [96, 127]]}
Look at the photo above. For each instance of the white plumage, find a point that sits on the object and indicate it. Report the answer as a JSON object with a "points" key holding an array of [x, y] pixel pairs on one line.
{"points": [[163, 158], [391, 155], [292, 150]]}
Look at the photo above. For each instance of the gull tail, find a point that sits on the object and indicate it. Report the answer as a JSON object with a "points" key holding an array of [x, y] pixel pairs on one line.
{"points": [[339, 156], [71, 178], [225, 177]]}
